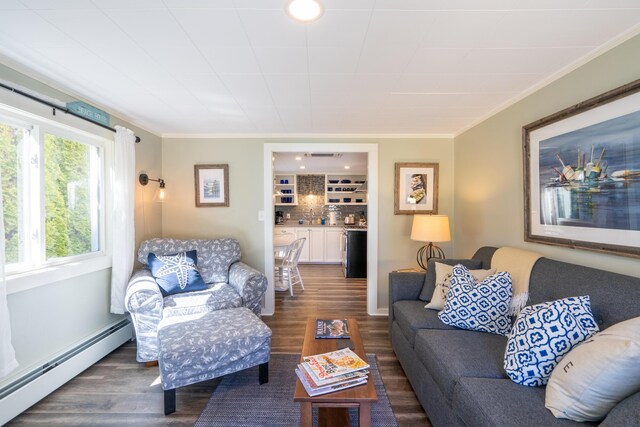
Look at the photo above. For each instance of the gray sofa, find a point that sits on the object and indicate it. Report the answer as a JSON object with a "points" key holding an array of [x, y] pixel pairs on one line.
{"points": [[230, 284], [458, 375]]}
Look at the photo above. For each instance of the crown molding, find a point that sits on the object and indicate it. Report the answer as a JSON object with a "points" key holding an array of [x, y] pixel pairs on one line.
{"points": [[307, 135]]}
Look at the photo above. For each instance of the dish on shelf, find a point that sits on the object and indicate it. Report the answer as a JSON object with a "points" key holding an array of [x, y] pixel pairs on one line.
{"points": [[347, 200], [330, 189], [334, 181], [358, 182], [359, 200], [334, 200], [345, 181], [337, 189]]}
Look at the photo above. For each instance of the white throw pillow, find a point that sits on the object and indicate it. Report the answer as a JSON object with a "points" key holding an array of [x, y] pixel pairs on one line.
{"points": [[443, 279], [597, 374]]}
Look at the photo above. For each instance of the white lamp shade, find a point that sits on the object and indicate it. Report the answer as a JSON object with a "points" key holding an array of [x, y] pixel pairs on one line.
{"points": [[430, 228]]}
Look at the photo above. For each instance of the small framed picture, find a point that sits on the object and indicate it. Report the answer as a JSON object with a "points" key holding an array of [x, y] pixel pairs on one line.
{"points": [[416, 189], [212, 185]]}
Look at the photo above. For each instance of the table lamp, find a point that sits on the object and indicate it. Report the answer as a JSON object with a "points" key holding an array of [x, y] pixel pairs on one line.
{"points": [[430, 228]]}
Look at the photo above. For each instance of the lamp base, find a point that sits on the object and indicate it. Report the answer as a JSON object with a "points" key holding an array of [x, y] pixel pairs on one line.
{"points": [[427, 252]]}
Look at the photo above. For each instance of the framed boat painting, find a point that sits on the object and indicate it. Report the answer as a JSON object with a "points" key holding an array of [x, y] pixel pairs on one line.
{"points": [[582, 175], [416, 189], [212, 185]]}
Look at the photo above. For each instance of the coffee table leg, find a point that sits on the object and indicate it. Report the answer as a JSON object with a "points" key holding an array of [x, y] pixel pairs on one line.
{"points": [[364, 414], [306, 414]]}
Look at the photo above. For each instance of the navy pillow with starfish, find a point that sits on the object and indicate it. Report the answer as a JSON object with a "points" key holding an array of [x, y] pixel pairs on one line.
{"points": [[176, 273]]}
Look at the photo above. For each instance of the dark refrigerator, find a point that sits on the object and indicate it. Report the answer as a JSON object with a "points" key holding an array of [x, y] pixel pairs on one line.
{"points": [[354, 256]]}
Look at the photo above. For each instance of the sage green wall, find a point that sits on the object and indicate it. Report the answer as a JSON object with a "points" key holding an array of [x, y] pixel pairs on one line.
{"points": [[181, 219], [55, 316], [488, 190]]}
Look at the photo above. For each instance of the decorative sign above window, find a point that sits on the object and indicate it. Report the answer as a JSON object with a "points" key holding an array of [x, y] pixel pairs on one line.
{"points": [[89, 112]]}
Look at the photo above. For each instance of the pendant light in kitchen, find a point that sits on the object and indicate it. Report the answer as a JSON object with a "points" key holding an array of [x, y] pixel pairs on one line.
{"points": [[304, 10]]}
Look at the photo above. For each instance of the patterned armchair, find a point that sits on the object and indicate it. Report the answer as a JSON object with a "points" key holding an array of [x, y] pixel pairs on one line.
{"points": [[230, 284]]}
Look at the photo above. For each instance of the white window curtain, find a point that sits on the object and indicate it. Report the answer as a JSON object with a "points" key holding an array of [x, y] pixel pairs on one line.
{"points": [[122, 225], [8, 360]]}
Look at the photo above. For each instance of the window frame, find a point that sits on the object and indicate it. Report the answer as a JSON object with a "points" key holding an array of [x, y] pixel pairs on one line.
{"points": [[36, 270]]}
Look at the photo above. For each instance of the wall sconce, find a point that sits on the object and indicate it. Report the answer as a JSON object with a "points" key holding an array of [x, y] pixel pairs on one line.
{"points": [[161, 194]]}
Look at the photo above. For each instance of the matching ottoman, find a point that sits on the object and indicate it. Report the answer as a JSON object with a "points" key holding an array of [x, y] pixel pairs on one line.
{"points": [[203, 346]]}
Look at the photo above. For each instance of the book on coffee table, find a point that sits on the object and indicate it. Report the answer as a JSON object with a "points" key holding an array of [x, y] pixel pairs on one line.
{"points": [[316, 383], [304, 379], [333, 364], [332, 328]]}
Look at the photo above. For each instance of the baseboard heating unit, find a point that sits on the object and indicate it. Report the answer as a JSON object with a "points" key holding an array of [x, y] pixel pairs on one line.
{"points": [[37, 383]]}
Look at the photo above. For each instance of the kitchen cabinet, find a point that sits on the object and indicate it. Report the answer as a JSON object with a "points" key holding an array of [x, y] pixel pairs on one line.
{"points": [[313, 249], [332, 249], [285, 190], [345, 189], [322, 244]]}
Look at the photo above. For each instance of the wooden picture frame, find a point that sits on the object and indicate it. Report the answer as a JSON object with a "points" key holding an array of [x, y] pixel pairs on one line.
{"points": [[416, 188], [212, 185], [582, 175]]}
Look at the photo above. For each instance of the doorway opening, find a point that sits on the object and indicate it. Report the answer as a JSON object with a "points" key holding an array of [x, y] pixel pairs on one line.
{"points": [[316, 203]]}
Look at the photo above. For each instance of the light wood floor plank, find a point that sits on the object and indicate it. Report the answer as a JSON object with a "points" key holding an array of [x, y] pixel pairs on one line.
{"points": [[118, 391]]}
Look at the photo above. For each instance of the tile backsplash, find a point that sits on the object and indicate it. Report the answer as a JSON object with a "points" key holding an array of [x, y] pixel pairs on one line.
{"points": [[310, 190]]}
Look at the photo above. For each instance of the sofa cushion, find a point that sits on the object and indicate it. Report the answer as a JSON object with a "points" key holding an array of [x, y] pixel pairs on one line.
{"points": [[443, 280], [488, 402], [412, 316], [430, 278], [597, 374], [176, 273], [625, 413], [543, 334], [451, 355], [217, 296], [480, 306], [214, 256]]}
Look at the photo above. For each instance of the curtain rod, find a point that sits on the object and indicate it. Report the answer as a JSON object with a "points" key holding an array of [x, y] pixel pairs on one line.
{"points": [[57, 107]]}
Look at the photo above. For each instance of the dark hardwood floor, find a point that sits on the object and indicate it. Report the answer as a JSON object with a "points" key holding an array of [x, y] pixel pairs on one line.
{"points": [[118, 391]]}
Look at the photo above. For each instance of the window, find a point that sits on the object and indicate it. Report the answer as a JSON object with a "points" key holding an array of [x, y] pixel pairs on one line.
{"points": [[52, 194]]}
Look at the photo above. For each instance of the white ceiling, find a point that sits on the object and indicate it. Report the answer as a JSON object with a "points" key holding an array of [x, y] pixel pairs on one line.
{"points": [[243, 67], [287, 162]]}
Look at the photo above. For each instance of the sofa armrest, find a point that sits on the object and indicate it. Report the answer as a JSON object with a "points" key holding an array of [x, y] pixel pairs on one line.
{"points": [[403, 286], [144, 302], [250, 285]]}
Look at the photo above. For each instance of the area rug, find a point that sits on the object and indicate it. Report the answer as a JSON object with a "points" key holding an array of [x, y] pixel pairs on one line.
{"points": [[241, 402]]}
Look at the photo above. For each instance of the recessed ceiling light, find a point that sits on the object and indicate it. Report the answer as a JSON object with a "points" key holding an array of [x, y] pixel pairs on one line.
{"points": [[347, 167], [302, 167], [298, 158], [304, 10]]}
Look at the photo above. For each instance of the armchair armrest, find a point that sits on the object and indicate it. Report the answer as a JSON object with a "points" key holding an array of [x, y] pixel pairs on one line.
{"points": [[403, 286], [144, 302], [250, 285]]}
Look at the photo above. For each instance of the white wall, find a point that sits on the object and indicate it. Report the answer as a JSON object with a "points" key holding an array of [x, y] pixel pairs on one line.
{"points": [[55, 316], [489, 201], [182, 219]]}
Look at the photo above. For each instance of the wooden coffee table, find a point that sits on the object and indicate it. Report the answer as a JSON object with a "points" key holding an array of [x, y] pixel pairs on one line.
{"points": [[333, 407]]}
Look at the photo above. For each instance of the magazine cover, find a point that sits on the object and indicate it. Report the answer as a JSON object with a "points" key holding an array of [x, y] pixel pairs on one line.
{"points": [[332, 328], [324, 390], [316, 383], [335, 363]]}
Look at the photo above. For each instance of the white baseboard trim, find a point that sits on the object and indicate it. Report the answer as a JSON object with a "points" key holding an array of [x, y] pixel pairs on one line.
{"points": [[24, 397], [380, 312]]}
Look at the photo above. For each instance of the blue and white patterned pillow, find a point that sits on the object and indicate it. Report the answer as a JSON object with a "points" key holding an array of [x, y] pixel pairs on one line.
{"points": [[543, 334], [177, 272], [482, 306]]}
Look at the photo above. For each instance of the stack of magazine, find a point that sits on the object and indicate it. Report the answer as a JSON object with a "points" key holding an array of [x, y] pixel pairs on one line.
{"points": [[333, 371]]}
